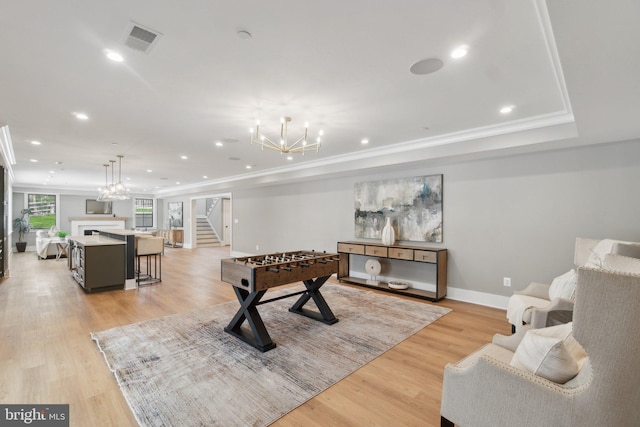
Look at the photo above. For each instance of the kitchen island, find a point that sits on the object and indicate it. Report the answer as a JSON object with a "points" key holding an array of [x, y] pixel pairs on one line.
{"points": [[98, 263]]}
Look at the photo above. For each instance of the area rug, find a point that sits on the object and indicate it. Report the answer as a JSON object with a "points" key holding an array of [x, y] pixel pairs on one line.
{"points": [[184, 370]]}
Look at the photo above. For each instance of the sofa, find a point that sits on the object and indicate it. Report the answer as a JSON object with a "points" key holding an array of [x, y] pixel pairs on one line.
{"points": [[46, 244], [580, 374]]}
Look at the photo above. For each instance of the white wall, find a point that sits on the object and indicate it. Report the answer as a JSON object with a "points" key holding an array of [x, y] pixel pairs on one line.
{"points": [[515, 216]]}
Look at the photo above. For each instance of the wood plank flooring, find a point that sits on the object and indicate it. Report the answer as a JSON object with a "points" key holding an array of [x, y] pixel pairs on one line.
{"points": [[47, 356]]}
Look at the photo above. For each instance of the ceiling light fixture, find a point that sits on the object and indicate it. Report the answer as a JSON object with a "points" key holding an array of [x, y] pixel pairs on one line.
{"points": [[113, 55], [81, 116], [117, 190], [36, 142], [299, 146], [364, 141], [507, 109], [460, 51]]}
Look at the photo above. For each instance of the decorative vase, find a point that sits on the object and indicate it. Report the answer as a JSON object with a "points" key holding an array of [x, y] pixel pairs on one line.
{"points": [[388, 234]]}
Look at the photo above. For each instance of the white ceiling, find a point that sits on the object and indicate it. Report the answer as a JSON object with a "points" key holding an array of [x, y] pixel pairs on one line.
{"points": [[343, 66]]}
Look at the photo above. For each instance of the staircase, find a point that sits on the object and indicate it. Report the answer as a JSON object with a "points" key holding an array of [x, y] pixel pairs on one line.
{"points": [[205, 236]]}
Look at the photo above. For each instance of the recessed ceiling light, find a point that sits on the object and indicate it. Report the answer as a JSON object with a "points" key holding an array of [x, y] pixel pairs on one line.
{"points": [[204, 176], [248, 166], [289, 157], [52, 171], [113, 55], [178, 182], [33, 160], [460, 51], [426, 66], [149, 170], [81, 116], [184, 157], [364, 141], [36, 142], [507, 109], [219, 144]]}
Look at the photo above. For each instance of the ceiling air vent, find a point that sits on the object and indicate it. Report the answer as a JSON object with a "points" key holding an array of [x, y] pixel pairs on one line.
{"points": [[142, 39]]}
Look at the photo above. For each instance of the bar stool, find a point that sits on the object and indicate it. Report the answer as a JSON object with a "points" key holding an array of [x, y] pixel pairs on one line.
{"points": [[149, 248]]}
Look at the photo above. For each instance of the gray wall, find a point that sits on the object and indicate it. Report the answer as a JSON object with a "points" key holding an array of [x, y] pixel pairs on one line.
{"points": [[515, 216]]}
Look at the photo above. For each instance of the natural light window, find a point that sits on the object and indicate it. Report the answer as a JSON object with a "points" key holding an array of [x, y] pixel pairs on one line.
{"points": [[43, 210]]}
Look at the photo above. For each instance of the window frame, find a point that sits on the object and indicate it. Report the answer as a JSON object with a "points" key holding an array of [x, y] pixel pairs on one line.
{"points": [[56, 208], [145, 216]]}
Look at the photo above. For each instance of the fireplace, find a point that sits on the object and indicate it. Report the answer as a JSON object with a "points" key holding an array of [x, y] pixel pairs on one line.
{"points": [[80, 225]]}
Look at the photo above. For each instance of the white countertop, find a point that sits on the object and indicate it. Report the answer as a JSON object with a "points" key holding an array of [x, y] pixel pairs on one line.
{"points": [[96, 240]]}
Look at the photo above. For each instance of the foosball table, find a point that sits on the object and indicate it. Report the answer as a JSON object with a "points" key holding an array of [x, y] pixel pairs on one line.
{"points": [[253, 276]]}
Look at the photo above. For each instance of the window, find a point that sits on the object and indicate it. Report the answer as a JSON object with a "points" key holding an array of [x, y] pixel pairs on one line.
{"points": [[43, 210], [144, 213]]}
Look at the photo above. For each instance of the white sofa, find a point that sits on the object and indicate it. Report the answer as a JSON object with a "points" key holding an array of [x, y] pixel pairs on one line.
{"points": [[533, 305], [46, 244]]}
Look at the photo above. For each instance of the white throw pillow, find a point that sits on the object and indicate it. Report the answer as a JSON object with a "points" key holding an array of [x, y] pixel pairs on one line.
{"points": [[563, 286], [551, 353], [602, 248]]}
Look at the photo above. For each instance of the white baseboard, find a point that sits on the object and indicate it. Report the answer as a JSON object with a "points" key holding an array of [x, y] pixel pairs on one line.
{"points": [[475, 297]]}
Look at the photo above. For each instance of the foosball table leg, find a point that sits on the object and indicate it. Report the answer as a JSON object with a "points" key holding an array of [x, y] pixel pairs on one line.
{"points": [[259, 338], [325, 314]]}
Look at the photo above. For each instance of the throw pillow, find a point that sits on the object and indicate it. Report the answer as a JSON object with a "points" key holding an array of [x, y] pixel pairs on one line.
{"points": [[563, 286], [551, 353]]}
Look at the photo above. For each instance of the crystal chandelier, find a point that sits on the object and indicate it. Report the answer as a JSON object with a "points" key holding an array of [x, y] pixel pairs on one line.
{"points": [[114, 191], [299, 146]]}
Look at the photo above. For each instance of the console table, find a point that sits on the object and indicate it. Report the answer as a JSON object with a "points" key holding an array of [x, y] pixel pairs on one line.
{"points": [[173, 237], [417, 254]]}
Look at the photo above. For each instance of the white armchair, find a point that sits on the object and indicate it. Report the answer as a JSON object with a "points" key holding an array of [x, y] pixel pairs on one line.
{"points": [[488, 389], [540, 305]]}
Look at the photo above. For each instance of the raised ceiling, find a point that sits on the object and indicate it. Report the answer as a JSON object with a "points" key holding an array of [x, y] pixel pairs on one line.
{"points": [[343, 66]]}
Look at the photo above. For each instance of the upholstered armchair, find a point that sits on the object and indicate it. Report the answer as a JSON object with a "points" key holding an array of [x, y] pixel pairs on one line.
{"points": [[488, 388], [540, 305]]}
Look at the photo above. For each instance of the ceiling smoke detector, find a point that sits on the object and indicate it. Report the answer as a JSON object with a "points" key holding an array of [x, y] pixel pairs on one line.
{"points": [[141, 38]]}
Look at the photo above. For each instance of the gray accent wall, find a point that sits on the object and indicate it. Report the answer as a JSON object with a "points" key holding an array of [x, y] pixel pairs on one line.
{"points": [[514, 216]]}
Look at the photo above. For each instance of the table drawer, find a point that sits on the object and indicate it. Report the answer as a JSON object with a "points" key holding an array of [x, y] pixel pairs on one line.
{"points": [[350, 248], [375, 251], [425, 256], [401, 253]]}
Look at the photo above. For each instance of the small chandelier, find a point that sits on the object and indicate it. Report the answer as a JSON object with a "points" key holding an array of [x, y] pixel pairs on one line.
{"points": [[299, 146], [114, 191]]}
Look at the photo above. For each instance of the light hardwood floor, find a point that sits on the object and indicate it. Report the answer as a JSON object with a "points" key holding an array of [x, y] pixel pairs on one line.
{"points": [[47, 356]]}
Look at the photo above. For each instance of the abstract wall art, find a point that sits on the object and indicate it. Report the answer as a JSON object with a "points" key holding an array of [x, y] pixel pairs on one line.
{"points": [[413, 204], [174, 212]]}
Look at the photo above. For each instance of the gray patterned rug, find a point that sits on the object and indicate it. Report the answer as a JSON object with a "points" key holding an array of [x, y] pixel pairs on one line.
{"points": [[184, 370]]}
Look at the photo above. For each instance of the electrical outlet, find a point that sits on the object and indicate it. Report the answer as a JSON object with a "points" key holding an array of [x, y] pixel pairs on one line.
{"points": [[506, 281]]}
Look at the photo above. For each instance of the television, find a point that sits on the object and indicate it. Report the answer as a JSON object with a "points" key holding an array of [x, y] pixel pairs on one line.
{"points": [[98, 207]]}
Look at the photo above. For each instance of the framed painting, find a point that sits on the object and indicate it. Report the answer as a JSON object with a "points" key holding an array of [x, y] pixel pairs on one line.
{"points": [[414, 206], [174, 212]]}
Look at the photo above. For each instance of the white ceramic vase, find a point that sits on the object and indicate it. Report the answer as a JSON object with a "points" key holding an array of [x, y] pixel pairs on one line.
{"points": [[388, 234]]}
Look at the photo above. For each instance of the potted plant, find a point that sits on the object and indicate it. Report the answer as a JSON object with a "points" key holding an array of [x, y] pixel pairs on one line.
{"points": [[23, 225]]}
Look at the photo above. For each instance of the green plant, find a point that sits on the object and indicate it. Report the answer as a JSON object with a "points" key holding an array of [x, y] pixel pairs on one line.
{"points": [[62, 234], [22, 223]]}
